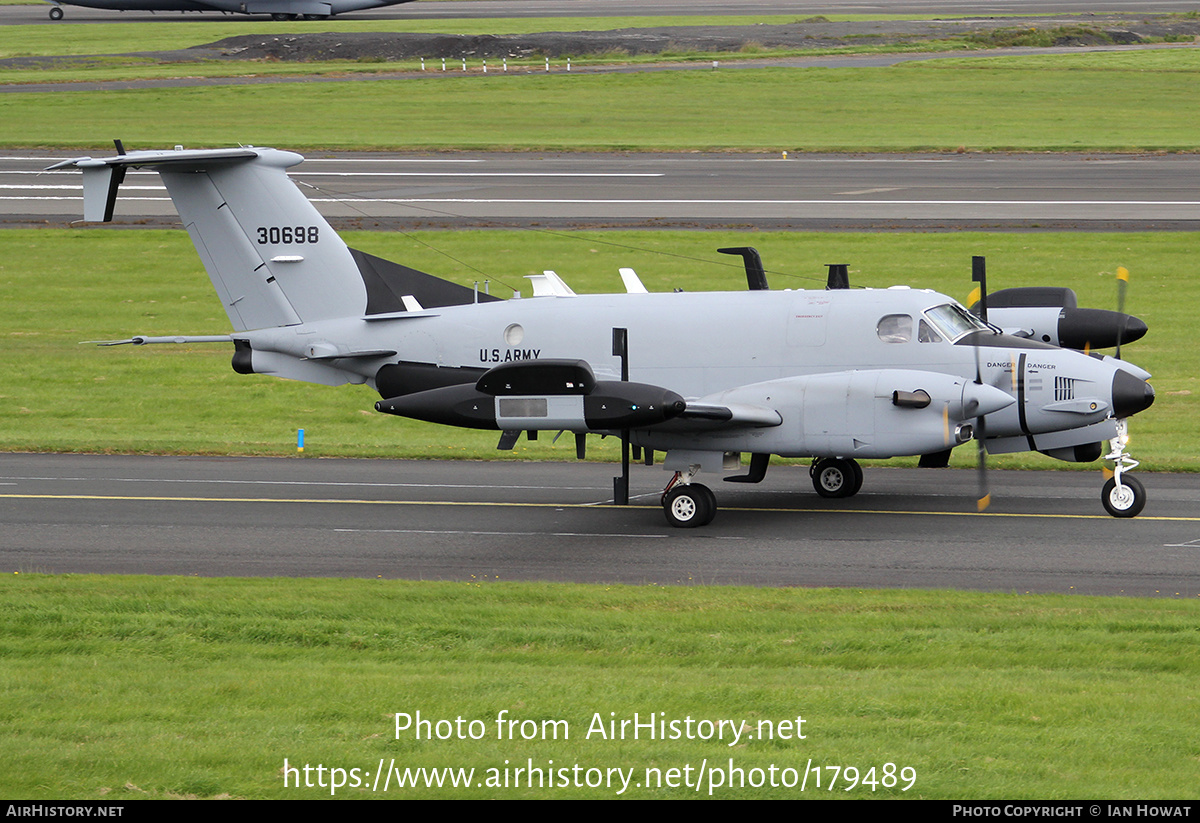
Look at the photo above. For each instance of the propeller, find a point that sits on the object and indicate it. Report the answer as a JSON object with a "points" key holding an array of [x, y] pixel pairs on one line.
{"points": [[1122, 287], [979, 275]]}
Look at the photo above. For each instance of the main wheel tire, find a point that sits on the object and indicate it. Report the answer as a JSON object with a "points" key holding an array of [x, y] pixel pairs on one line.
{"points": [[712, 503], [835, 477], [56, 13], [1126, 501], [690, 506]]}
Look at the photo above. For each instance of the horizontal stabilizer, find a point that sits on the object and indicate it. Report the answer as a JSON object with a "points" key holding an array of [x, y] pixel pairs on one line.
{"points": [[143, 340], [102, 178]]}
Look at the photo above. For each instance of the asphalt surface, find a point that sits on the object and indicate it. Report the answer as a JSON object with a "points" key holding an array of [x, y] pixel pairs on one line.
{"points": [[1045, 532], [395, 191], [37, 14]]}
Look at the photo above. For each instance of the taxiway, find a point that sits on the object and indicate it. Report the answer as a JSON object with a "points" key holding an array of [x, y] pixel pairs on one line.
{"points": [[1046, 531]]}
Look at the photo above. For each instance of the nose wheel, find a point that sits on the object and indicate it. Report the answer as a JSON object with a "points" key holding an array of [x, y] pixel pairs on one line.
{"points": [[56, 13], [1126, 499]]}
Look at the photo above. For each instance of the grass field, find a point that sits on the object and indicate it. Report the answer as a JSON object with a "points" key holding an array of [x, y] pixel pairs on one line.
{"points": [[132, 687], [118, 37], [115, 37], [1112, 102], [63, 287]]}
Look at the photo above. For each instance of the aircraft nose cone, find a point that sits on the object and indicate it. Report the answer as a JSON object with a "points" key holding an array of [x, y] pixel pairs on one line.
{"points": [[1130, 394]]}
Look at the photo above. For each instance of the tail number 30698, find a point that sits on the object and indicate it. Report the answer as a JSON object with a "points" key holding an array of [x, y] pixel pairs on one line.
{"points": [[276, 235]]}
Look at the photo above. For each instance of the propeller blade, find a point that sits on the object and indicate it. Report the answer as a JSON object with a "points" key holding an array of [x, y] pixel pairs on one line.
{"points": [[1122, 286], [979, 275], [985, 496]]}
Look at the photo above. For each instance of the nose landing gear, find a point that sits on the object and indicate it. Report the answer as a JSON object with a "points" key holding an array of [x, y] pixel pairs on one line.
{"points": [[1122, 496]]}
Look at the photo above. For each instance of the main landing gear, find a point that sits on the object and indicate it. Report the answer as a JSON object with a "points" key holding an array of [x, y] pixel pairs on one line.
{"points": [[56, 13], [836, 477], [687, 504], [1122, 496]]}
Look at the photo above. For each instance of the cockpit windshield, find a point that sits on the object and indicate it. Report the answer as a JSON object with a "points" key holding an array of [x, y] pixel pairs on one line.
{"points": [[953, 321]]}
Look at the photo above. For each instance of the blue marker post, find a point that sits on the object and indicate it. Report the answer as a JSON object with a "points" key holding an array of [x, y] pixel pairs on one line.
{"points": [[300, 441]]}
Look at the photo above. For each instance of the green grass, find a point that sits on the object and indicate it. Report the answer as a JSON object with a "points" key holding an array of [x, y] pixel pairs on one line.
{"points": [[1135, 103], [133, 687], [60, 287], [133, 67], [118, 38]]}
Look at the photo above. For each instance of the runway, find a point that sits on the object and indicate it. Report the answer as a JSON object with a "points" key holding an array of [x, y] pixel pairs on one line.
{"points": [[1046, 531], [389, 191]]}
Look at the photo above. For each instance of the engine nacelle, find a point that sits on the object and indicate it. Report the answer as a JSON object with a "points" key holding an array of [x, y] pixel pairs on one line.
{"points": [[868, 414], [1052, 316]]}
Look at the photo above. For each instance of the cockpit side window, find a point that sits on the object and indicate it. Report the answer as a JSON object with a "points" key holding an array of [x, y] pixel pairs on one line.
{"points": [[895, 328], [926, 334], [953, 321]]}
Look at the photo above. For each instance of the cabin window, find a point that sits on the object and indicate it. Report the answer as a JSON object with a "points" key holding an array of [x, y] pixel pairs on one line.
{"points": [[895, 328]]}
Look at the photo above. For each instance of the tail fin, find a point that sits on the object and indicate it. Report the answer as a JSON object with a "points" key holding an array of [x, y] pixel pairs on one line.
{"points": [[272, 257]]}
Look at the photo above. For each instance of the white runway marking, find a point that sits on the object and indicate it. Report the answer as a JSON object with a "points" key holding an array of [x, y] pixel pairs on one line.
{"points": [[474, 174], [501, 534]]}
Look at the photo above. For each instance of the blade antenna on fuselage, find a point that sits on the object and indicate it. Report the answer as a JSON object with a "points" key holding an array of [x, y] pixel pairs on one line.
{"points": [[756, 275]]}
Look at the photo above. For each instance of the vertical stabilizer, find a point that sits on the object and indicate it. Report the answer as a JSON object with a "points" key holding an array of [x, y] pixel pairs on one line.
{"points": [[272, 257]]}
